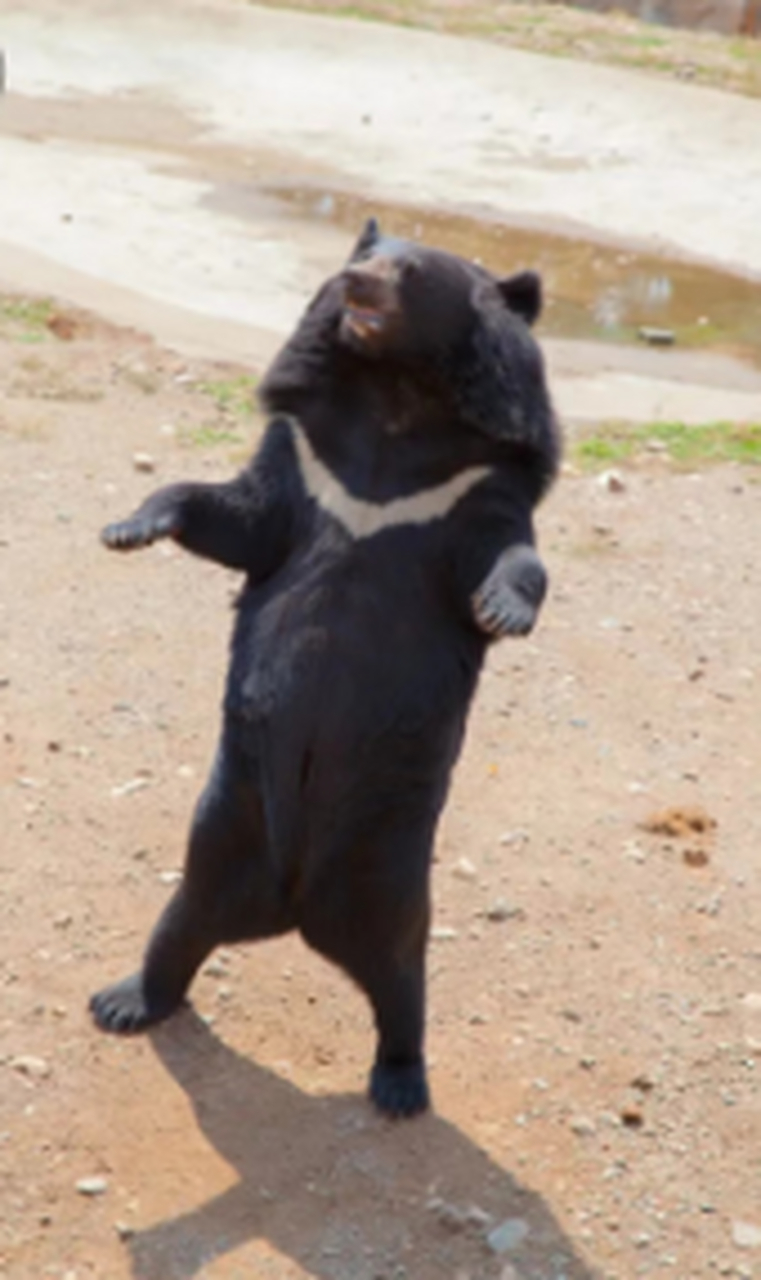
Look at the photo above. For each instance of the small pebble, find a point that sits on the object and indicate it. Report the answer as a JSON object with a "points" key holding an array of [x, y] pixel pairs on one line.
{"points": [[477, 1217], [501, 910], [464, 869], [656, 337], [508, 1235], [695, 858], [143, 462], [128, 788], [746, 1235], [448, 1215], [611, 482], [517, 837], [27, 1065], [92, 1186], [632, 1117], [442, 933], [583, 1127]]}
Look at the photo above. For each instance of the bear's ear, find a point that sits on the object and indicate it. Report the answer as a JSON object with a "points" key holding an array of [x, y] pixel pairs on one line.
{"points": [[522, 293], [371, 234]]}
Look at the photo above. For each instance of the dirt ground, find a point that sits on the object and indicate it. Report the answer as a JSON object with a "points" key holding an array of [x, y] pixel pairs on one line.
{"points": [[595, 975]]}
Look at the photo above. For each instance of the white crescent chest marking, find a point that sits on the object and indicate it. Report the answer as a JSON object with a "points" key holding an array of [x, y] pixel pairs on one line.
{"points": [[363, 519]]}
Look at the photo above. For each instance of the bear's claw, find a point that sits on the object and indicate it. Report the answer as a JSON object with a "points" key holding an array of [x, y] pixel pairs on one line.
{"points": [[123, 1009], [138, 531], [509, 599]]}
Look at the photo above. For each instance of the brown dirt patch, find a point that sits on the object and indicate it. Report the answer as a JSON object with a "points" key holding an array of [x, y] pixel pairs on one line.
{"points": [[570, 961], [679, 823]]}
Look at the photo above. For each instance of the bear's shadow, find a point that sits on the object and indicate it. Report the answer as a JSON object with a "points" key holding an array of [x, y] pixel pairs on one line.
{"points": [[343, 1192]]}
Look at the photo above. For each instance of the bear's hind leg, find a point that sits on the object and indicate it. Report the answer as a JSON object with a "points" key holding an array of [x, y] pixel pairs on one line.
{"points": [[398, 1084], [229, 893], [369, 913], [179, 944]]}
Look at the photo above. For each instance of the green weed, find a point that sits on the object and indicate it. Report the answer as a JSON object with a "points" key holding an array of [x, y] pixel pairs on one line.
{"points": [[210, 436], [233, 396], [690, 446], [25, 319]]}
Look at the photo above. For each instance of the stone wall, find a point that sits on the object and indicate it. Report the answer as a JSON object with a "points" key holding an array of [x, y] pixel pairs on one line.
{"points": [[729, 16]]}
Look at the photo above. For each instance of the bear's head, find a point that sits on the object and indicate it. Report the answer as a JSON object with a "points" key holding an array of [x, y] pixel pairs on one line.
{"points": [[418, 305], [401, 314]]}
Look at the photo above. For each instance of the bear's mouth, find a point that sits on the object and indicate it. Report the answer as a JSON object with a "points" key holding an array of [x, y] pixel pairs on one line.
{"points": [[370, 301]]}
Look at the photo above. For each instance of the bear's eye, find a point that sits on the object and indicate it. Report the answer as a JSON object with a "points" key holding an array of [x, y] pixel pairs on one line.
{"points": [[410, 268]]}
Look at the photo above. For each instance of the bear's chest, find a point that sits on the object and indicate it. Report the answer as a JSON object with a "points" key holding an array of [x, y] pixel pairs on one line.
{"points": [[371, 495]]}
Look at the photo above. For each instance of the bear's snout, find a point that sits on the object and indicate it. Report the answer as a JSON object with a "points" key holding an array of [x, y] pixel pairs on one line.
{"points": [[371, 299]]}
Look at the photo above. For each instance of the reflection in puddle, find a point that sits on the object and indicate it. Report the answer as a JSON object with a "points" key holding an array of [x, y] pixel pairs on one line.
{"points": [[594, 291]]}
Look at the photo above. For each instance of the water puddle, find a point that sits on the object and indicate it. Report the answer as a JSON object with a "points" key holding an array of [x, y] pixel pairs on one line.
{"points": [[594, 291]]}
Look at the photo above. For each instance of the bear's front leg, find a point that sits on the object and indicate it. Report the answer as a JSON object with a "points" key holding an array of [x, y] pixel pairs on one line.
{"points": [[508, 600]]}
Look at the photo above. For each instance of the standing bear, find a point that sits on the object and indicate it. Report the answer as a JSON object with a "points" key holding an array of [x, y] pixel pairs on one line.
{"points": [[384, 531]]}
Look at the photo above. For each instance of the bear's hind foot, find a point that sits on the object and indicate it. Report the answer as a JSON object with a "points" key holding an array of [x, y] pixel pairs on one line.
{"points": [[399, 1091], [123, 1008]]}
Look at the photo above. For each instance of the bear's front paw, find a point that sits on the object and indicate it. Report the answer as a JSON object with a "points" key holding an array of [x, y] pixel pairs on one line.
{"points": [[399, 1091], [140, 530], [508, 601]]}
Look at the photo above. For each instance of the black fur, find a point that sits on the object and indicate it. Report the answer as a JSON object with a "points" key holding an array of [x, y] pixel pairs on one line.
{"points": [[355, 655]]}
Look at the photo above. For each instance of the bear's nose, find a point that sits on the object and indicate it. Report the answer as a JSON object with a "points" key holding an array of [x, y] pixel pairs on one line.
{"points": [[371, 283]]}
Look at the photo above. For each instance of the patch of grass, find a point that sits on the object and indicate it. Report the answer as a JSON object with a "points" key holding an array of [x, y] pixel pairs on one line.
{"points": [[690, 446], [25, 319], [646, 41], [602, 450], [210, 435], [233, 396]]}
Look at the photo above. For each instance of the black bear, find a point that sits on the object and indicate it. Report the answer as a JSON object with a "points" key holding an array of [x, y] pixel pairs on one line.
{"points": [[384, 528]]}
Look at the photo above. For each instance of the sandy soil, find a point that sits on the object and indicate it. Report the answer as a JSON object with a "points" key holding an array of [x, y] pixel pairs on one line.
{"points": [[595, 991]]}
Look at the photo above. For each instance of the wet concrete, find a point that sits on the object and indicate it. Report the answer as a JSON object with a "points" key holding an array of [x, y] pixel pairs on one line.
{"points": [[595, 290], [197, 168]]}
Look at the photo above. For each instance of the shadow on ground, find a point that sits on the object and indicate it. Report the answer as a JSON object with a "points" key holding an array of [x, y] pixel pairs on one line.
{"points": [[344, 1193]]}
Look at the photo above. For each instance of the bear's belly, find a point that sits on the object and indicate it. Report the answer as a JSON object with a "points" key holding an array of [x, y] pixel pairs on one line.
{"points": [[355, 655]]}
